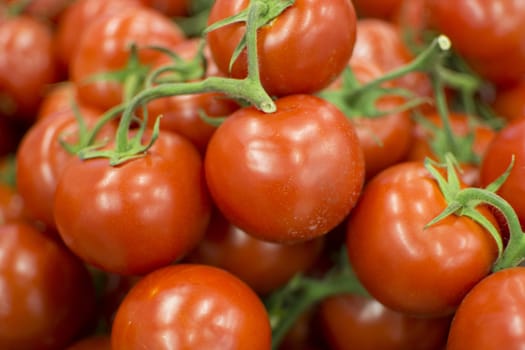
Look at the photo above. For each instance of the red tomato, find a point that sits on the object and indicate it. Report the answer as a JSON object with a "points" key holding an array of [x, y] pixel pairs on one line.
{"points": [[510, 141], [461, 125], [40, 160], [27, 66], [137, 216], [48, 10], [11, 204], [62, 98], [491, 315], [376, 8], [509, 103], [181, 113], [170, 8], [385, 140], [288, 176], [381, 43], [399, 261], [271, 264], [46, 292], [292, 48], [96, 342], [104, 47], [189, 306], [501, 57], [355, 322], [77, 17]]}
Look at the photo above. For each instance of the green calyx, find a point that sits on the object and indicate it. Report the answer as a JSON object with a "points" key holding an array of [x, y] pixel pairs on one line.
{"points": [[464, 201]]}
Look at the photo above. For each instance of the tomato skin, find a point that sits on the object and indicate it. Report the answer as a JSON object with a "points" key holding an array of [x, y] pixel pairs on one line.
{"points": [[290, 38], [50, 300], [181, 113], [170, 8], [288, 176], [394, 256], [271, 264], [376, 8], [489, 316], [40, 160], [509, 103], [501, 58], [77, 17], [11, 204], [104, 47], [208, 308], [508, 142], [137, 216], [461, 125], [27, 66], [96, 342], [356, 322]]}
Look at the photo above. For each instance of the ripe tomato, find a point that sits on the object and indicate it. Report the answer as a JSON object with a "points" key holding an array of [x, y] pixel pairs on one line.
{"points": [[405, 266], [11, 204], [376, 8], [105, 47], [271, 264], [501, 58], [190, 306], [381, 42], [292, 48], [509, 103], [77, 17], [137, 216], [355, 322], [181, 113], [46, 292], [96, 342], [40, 160], [170, 8], [386, 139], [48, 10], [491, 315], [510, 141], [288, 176], [27, 66], [461, 124]]}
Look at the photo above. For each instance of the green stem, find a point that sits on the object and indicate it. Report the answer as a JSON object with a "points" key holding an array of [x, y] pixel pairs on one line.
{"points": [[442, 108], [314, 291], [249, 88], [514, 252]]}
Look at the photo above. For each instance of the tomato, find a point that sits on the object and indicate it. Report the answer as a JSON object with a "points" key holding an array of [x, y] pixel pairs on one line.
{"points": [[501, 58], [181, 113], [11, 204], [288, 176], [355, 322], [46, 292], [48, 10], [77, 17], [62, 98], [376, 8], [95, 342], [290, 51], [509, 103], [401, 263], [462, 125], [27, 66], [381, 42], [510, 141], [104, 47], [271, 264], [385, 139], [189, 306], [137, 216], [40, 160], [491, 314], [170, 8]]}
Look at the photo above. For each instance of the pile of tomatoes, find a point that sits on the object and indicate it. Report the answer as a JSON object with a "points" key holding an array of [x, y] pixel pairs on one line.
{"points": [[262, 174]]}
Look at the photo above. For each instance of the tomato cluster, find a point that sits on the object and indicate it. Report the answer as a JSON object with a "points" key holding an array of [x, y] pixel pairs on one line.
{"points": [[262, 174]]}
